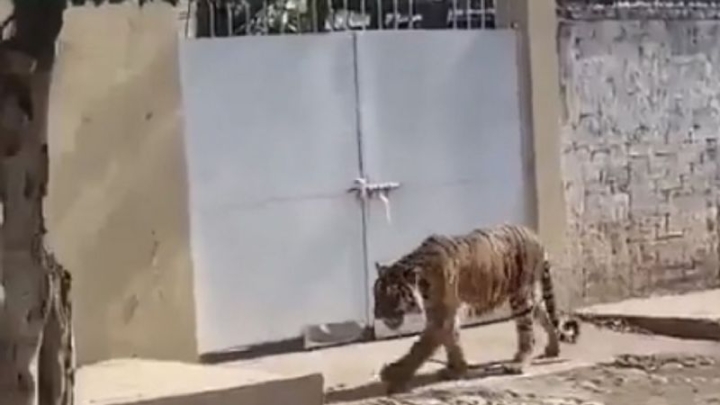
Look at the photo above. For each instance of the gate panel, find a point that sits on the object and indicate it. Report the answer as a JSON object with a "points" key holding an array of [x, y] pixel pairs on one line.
{"points": [[440, 115], [271, 143]]}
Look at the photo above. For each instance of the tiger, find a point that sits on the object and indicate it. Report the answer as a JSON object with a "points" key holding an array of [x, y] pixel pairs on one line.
{"points": [[479, 270]]}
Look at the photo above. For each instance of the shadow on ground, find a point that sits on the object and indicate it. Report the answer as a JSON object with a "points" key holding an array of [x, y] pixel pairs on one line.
{"points": [[377, 388]]}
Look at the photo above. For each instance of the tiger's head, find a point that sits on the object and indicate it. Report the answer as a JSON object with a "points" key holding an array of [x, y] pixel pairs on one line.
{"points": [[396, 292]]}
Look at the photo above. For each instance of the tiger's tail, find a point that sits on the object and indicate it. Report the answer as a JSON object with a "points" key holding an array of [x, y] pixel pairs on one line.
{"points": [[569, 330]]}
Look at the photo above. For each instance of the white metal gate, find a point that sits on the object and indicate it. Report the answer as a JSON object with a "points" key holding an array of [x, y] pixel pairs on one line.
{"points": [[441, 119], [280, 128]]}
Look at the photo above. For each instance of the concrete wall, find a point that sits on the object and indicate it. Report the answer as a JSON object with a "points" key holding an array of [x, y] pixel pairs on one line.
{"points": [[536, 24], [640, 127], [117, 205]]}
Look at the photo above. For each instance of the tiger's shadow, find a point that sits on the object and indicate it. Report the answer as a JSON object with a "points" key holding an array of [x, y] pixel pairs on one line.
{"points": [[476, 371]]}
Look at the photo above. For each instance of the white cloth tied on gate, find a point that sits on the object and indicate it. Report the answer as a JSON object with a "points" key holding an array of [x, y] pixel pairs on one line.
{"points": [[368, 190], [383, 195]]}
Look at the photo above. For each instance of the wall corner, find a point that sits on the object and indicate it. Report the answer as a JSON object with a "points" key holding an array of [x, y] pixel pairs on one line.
{"points": [[536, 23]]}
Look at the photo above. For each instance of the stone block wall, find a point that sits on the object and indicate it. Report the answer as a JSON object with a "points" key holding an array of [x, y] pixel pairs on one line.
{"points": [[639, 134]]}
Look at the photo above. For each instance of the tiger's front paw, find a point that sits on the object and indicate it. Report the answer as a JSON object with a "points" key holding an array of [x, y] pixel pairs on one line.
{"points": [[394, 377], [449, 374], [551, 351], [514, 368], [453, 372]]}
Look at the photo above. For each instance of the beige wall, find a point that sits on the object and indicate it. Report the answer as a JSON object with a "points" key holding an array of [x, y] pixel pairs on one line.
{"points": [[117, 205], [536, 23]]}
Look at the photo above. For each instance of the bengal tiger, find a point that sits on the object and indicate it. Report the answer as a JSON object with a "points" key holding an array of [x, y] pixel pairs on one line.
{"points": [[480, 270]]}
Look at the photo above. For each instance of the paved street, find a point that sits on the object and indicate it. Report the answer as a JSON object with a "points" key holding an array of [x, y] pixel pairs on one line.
{"points": [[668, 379]]}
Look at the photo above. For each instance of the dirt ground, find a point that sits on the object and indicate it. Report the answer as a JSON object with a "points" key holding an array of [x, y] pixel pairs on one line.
{"points": [[667, 379], [617, 361]]}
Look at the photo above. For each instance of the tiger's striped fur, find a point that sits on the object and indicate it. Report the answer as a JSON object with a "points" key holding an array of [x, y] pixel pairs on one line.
{"points": [[482, 270]]}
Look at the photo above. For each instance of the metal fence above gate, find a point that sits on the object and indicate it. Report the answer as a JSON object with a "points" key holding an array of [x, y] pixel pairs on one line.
{"points": [[226, 18]]}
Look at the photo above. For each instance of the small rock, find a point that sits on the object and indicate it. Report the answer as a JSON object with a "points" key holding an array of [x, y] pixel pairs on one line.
{"points": [[618, 381], [706, 361], [657, 379], [675, 366], [591, 387], [597, 381], [469, 400], [512, 394]]}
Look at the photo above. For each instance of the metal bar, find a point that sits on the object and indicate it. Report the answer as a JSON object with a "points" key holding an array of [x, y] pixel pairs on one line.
{"points": [[298, 16], [363, 11], [229, 19], [483, 13], [265, 17], [346, 17], [411, 14], [395, 14], [248, 17], [468, 19], [190, 15], [211, 12], [454, 14], [380, 15], [314, 12], [283, 16]]}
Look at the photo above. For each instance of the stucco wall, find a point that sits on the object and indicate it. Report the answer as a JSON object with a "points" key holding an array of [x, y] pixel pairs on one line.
{"points": [[639, 144], [536, 24], [117, 205]]}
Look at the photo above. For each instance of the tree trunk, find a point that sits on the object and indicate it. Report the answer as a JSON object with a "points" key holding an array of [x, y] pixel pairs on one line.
{"points": [[57, 352], [35, 328]]}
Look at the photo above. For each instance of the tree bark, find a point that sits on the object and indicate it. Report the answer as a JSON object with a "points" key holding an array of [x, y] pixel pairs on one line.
{"points": [[35, 327], [57, 352]]}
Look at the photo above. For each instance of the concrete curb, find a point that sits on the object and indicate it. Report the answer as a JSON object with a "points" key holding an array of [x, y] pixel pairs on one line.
{"points": [[148, 382], [693, 315], [306, 390], [678, 327]]}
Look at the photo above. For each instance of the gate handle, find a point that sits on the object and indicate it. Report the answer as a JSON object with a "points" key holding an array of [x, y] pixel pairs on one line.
{"points": [[367, 190], [359, 187]]}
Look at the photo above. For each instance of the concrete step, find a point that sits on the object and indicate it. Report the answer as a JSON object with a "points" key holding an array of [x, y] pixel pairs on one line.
{"points": [[148, 382], [689, 316]]}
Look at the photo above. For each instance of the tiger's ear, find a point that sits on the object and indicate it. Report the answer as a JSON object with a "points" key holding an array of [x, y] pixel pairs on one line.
{"points": [[380, 269]]}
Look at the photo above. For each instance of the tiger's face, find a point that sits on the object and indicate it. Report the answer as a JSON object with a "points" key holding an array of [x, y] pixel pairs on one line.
{"points": [[396, 294]]}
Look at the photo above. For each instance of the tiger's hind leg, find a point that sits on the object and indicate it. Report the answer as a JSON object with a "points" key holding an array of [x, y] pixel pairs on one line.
{"points": [[552, 349], [522, 303]]}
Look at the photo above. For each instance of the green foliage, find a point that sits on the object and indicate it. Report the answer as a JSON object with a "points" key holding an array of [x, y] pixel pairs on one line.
{"points": [[84, 2], [101, 2], [37, 24]]}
